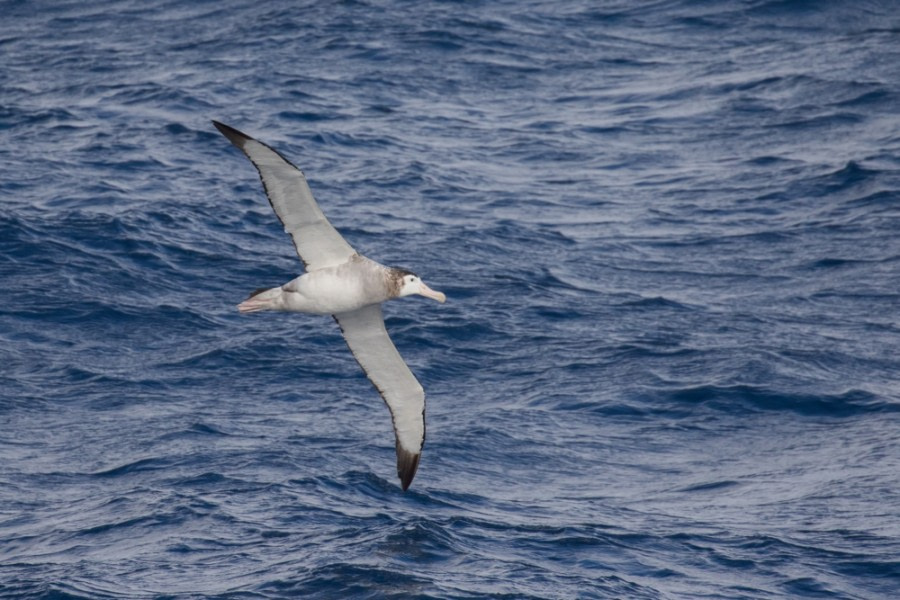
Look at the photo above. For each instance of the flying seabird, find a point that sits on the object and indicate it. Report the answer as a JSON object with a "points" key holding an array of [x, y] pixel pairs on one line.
{"points": [[342, 283]]}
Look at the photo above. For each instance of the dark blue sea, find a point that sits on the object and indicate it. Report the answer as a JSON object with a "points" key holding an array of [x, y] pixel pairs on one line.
{"points": [[668, 367]]}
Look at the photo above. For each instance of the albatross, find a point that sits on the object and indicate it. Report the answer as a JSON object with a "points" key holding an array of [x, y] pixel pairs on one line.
{"points": [[341, 282]]}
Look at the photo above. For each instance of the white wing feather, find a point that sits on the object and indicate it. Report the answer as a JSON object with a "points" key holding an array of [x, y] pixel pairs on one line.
{"points": [[369, 341], [318, 243]]}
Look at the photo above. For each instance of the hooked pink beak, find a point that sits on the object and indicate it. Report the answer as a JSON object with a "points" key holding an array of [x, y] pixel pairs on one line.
{"points": [[430, 293]]}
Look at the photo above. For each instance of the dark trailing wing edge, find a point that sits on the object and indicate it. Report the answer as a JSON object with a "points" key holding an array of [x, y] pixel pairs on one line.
{"points": [[258, 291], [407, 465], [238, 138]]}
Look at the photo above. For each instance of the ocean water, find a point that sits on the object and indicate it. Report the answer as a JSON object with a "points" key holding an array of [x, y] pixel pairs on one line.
{"points": [[669, 365]]}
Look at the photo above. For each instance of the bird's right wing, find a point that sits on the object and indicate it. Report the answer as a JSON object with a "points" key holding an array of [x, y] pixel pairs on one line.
{"points": [[368, 340], [318, 243]]}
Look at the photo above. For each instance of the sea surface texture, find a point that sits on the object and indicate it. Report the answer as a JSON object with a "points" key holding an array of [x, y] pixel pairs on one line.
{"points": [[668, 366]]}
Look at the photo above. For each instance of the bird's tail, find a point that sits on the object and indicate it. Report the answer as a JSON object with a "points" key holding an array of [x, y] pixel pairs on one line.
{"points": [[262, 299]]}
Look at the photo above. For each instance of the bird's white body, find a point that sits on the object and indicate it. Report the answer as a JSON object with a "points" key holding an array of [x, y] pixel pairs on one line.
{"points": [[335, 289], [329, 291], [340, 289]]}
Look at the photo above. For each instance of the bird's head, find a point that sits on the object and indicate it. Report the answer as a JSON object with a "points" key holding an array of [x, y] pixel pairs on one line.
{"points": [[410, 283]]}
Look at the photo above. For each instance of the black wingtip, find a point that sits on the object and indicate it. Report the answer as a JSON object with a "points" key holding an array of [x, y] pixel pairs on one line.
{"points": [[407, 463], [238, 138]]}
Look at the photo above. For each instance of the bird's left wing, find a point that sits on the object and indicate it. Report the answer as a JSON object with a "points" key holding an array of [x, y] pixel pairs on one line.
{"points": [[368, 340], [318, 243]]}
